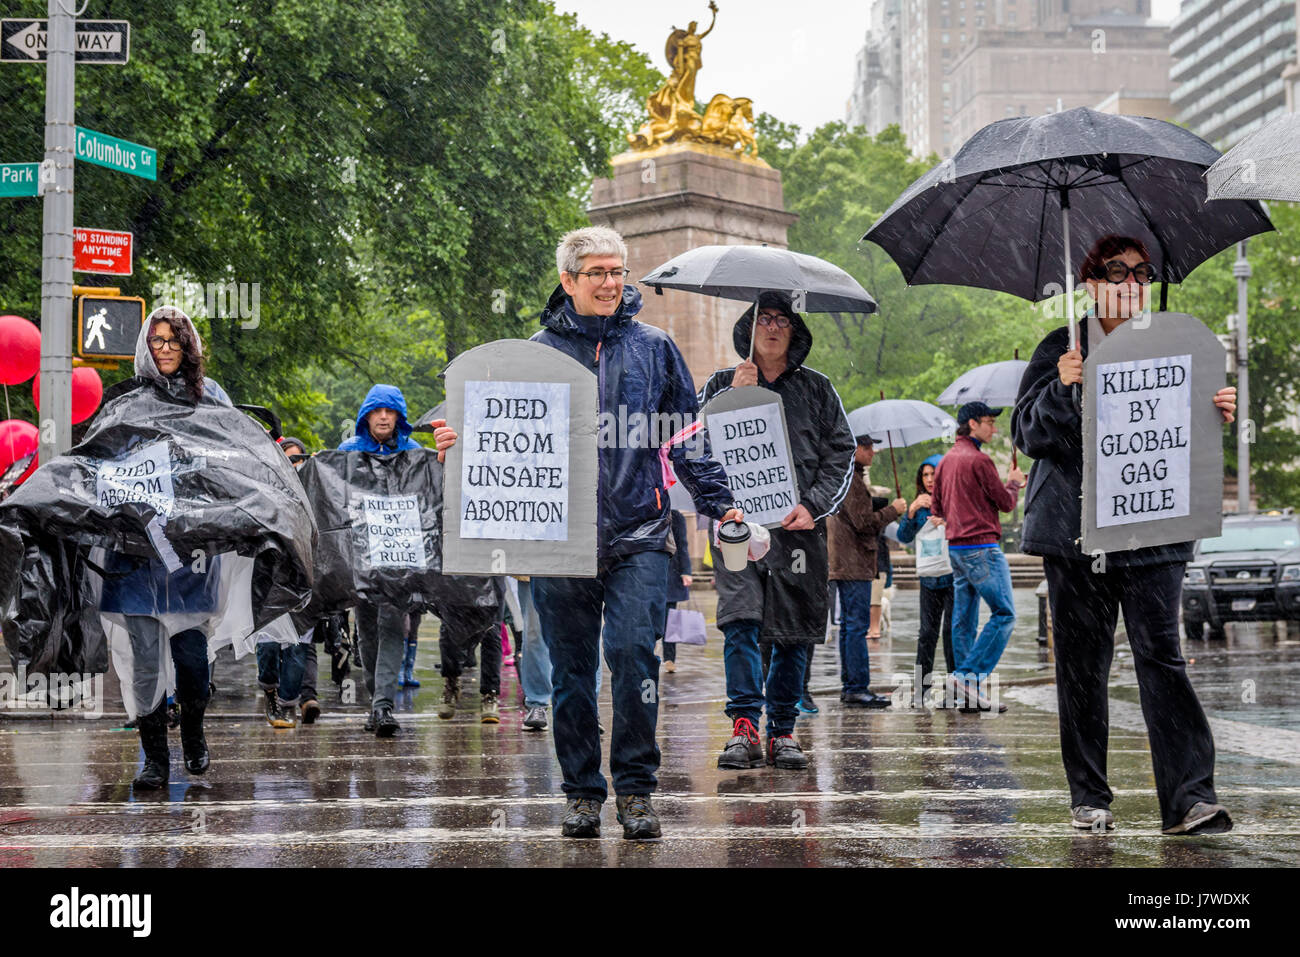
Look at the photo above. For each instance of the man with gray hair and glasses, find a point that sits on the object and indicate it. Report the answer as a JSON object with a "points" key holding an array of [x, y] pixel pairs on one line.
{"points": [[590, 317]]}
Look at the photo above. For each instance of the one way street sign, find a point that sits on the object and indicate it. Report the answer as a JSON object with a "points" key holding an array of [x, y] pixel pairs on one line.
{"points": [[97, 41]]}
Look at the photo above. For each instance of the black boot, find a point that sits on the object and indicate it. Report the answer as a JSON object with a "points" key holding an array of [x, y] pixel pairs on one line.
{"points": [[193, 745], [153, 738]]}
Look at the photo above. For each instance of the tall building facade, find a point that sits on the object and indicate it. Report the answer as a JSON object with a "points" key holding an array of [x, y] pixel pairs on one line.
{"points": [[1228, 62], [877, 80]]}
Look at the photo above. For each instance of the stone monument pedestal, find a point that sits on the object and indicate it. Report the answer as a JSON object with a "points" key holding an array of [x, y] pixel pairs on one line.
{"points": [[675, 198]]}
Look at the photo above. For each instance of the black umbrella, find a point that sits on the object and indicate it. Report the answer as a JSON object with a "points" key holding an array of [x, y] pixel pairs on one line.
{"points": [[745, 272], [1026, 197]]}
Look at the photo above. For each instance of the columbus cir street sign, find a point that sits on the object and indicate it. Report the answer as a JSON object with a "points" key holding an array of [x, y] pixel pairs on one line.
{"points": [[121, 155]]}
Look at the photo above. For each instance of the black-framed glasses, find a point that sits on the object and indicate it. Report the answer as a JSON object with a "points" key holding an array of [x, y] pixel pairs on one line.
{"points": [[780, 322], [598, 276], [1118, 271], [158, 344]]}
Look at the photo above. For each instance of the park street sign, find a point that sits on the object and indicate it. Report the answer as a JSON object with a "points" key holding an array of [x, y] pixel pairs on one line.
{"points": [[19, 179], [97, 41], [108, 326], [121, 155], [103, 251]]}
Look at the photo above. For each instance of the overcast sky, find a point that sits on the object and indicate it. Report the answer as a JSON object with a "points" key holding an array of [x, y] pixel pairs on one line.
{"points": [[794, 60]]}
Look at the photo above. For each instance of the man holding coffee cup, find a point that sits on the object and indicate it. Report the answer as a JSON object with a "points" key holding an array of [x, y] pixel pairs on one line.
{"points": [[782, 598]]}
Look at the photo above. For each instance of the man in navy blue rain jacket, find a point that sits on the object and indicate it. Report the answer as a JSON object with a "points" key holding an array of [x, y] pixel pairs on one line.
{"points": [[590, 317]]}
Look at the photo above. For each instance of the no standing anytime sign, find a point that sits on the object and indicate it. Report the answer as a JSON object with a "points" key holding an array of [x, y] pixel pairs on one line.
{"points": [[102, 251]]}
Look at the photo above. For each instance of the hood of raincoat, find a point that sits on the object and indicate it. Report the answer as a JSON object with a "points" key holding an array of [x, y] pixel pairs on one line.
{"points": [[382, 397], [801, 339], [640, 372]]}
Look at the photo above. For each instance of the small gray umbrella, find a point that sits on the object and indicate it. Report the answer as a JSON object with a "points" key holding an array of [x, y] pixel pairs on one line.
{"points": [[1265, 165], [901, 422], [996, 384]]}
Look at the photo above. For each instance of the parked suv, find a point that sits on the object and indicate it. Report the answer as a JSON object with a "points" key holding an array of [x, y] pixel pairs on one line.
{"points": [[1249, 573]]}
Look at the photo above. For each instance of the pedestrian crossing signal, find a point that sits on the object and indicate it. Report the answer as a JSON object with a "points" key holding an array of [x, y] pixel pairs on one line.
{"points": [[108, 326]]}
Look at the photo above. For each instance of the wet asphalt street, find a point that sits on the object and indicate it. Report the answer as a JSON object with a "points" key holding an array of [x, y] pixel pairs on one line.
{"points": [[899, 787]]}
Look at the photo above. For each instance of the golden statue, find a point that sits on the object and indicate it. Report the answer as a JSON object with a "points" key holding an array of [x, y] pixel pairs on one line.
{"points": [[727, 123]]}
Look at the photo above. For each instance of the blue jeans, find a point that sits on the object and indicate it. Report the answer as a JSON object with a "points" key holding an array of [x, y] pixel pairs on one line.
{"points": [[535, 662], [632, 591], [280, 669], [743, 662], [855, 660], [980, 573]]}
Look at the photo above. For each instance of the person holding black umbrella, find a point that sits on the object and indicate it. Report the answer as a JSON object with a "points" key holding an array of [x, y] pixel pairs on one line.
{"points": [[1085, 596], [783, 598]]}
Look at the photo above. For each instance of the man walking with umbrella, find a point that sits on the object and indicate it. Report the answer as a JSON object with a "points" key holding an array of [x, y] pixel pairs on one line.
{"points": [[783, 598], [968, 496]]}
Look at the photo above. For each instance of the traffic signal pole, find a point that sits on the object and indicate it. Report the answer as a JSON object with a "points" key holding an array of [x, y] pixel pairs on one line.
{"points": [[56, 245]]}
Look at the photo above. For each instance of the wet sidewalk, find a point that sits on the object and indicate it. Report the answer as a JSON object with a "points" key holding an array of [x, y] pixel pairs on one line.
{"points": [[899, 787]]}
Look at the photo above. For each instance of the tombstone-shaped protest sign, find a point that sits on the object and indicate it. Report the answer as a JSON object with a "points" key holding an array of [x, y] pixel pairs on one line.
{"points": [[750, 440], [521, 480], [1152, 436]]}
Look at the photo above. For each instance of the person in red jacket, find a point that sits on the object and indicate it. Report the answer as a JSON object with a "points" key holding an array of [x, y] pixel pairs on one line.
{"points": [[968, 496]]}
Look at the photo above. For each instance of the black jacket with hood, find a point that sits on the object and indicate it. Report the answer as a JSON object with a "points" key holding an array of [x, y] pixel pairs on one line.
{"points": [[787, 590], [639, 368]]}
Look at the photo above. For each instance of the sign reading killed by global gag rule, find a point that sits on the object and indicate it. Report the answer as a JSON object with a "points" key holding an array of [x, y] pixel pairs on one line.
{"points": [[520, 498], [1153, 438], [515, 467], [748, 434], [393, 531]]}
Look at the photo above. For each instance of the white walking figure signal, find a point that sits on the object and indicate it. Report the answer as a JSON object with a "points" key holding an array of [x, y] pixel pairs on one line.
{"points": [[98, 323]]}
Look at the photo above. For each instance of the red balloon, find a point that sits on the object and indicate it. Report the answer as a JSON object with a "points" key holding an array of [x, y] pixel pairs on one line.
{"points": [[20, 350], [87, 390], [17, 438]]}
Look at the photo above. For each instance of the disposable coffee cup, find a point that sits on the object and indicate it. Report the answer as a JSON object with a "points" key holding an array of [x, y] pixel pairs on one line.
{"points": [[733, 538]]}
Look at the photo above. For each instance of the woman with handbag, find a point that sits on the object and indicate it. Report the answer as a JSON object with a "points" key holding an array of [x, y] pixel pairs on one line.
{"points": [[936, 589]]}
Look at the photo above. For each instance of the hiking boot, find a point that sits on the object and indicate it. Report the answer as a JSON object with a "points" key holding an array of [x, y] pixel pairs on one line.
{"points": [[1087, 818], [784, 752], [743, 750], [276, 715], [638, 817], [385, 724], [865, 699], [153, 739], [1203, 818], [490, 710], [581, 818], [310, 711], [450, 698], [535, 719], [194, 746]]}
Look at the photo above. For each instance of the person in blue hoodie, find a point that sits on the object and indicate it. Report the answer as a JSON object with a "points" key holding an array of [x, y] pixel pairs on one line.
{"points": [[936, 592], [382, 429], [591, 317]]}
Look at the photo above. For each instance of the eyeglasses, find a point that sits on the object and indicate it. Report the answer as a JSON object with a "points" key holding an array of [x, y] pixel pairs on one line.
{"points": [[159, 344], [1117, 271], [780, 322], [598, 276]]}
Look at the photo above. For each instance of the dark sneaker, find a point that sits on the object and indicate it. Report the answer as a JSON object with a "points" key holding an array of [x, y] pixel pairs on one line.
{"points": [[276, 715], [1203, 819], [638, 817], [490, 712], [784, 752], [310, 711], [807, 705], [450, 698], [385, 724], [744, 750], [1087, 818], [581, 818], [866, 699], [535, 719]]}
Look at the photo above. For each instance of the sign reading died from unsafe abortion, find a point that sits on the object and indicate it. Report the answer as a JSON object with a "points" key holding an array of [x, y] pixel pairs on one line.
{"points": [[1153, 438], [393, 531], [523, 501], [515, 468], [143, 476], [748, 434]]}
